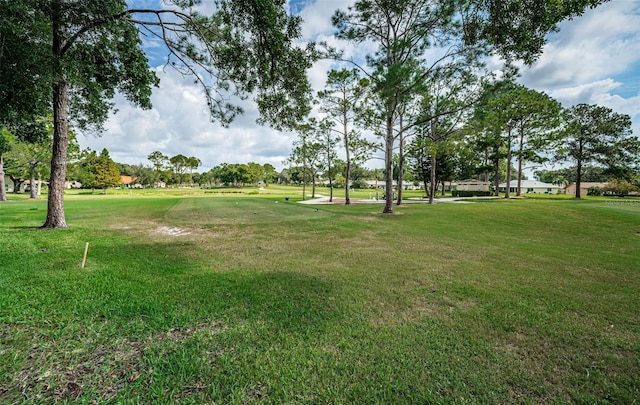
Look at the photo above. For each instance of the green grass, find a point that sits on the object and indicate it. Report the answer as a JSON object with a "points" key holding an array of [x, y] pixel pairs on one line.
{"points": [[246, 298]]}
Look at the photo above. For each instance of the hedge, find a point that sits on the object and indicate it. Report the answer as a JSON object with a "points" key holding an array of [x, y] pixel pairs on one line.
{"points": [[470, 193]]}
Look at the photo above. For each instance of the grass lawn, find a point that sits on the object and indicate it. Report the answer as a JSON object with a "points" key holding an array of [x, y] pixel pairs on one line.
{"points": [[246, 298]]}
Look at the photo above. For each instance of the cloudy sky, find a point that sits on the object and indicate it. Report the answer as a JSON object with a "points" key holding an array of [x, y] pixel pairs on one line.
{"points": [[594, 59]]}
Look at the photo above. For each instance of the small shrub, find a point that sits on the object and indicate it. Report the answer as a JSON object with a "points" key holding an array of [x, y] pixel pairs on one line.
{"points": [[620, 188], [595, 190], [470, 193], [359, 184]]}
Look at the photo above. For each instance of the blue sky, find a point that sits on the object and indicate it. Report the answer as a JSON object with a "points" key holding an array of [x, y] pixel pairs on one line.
{"points": [[593, 59]]}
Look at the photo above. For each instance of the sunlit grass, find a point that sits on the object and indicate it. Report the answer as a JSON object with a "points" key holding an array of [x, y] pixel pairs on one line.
{"points": [[249, 298]]}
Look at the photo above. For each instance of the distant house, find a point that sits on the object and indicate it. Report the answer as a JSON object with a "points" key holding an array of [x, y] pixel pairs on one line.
{"points": [[126, 180], [72, 184], [473, 185], [530, 186], [38, 185], [584, 187], [130, 182], [381, 184], [8, 184]]}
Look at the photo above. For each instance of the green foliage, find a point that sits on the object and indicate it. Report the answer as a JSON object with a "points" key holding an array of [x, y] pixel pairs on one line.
{"points": [[567, 175], [596, 134], [620, 188], [594, 191], [470, 193], [86, 51], [236, 174], [517, 29], [403, 31], [23, 98], [98, 171], [344, 99], [180, 164]]}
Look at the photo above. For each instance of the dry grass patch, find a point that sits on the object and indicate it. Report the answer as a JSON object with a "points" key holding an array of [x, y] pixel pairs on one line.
{"points": [[64, 366]]}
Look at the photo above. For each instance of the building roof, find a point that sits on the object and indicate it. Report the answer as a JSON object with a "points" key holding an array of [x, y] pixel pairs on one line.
{"points": [[473, 181], [127, 179]]}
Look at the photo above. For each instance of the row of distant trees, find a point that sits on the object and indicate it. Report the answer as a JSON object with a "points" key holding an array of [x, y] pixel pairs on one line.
{"points": [[25, 161], [464, 127]]}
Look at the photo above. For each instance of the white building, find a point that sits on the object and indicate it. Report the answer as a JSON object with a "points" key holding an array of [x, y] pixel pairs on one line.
{"points": [[473, 185], [530, 186]]}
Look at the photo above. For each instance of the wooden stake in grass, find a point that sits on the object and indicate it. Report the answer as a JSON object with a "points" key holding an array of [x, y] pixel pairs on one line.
{"points": [[84, 257]]}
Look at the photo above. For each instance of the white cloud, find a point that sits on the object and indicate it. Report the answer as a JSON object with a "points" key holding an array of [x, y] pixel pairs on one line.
{"points": [[590, 60], [604, 41], [600, 93], [594, 59], [179, 124]]}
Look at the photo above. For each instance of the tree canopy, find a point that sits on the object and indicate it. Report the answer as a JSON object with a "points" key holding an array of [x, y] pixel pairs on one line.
{"points": [[78, 54], [597, 134], [460, 32]]}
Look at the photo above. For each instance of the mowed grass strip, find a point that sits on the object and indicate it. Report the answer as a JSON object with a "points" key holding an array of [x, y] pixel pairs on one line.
{"points": [[253, 299]]}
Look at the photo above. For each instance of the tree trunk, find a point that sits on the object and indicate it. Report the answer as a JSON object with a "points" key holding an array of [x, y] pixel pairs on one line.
{"points": [[304, 183], [330, 190], [507, 189], [388, 165], [579, 171], [32, 184], [432, 179], [347, 174], [400, 167], [3, 190], [519, 190], [55, 205], [496, 173], [426, 187], [486, 162]]}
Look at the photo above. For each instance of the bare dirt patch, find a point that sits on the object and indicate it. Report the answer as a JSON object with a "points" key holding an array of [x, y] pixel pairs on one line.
{"points": [[172, 231]]}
